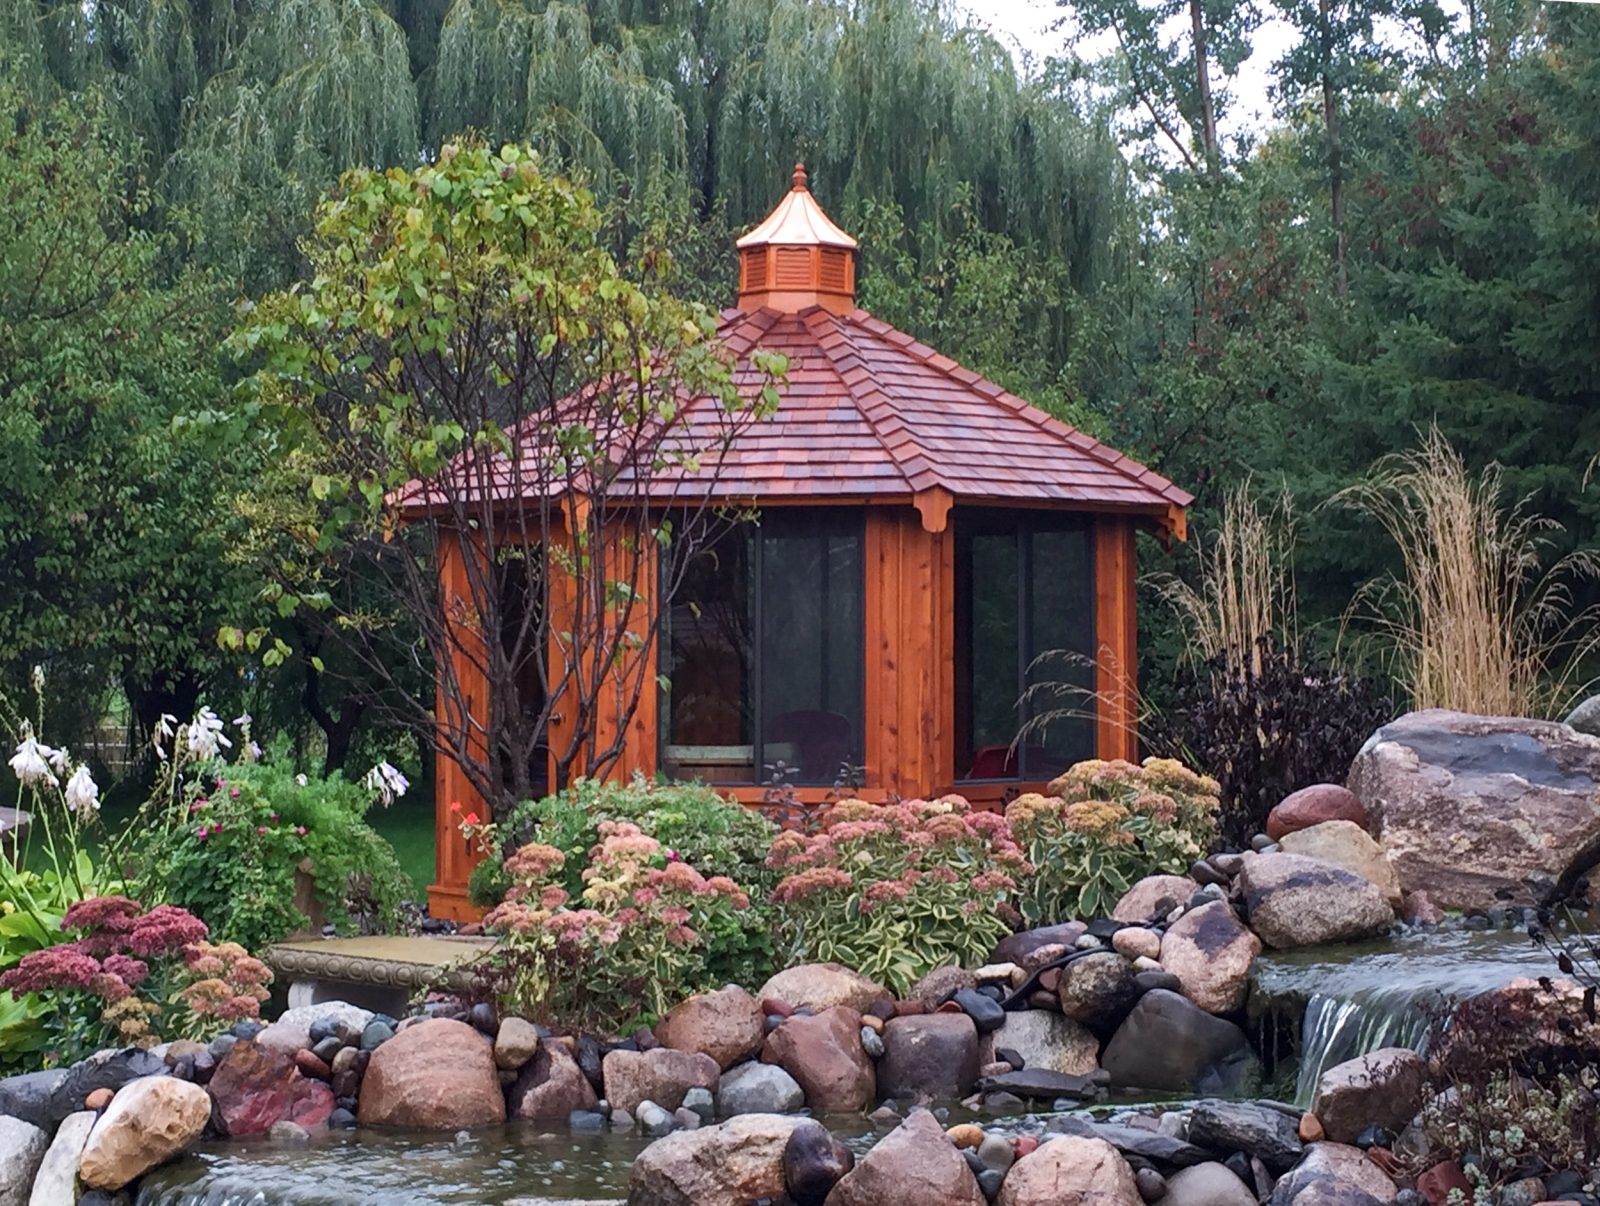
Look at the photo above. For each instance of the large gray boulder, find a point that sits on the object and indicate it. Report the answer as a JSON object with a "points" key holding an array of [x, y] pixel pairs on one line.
{"points": [[1169, 1043], [22, 1149], [1476, 809], [1585, 717], [731, 1164], [1291, 900]]}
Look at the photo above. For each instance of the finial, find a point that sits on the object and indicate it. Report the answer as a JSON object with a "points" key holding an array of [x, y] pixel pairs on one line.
{"points": [[799, 176]]}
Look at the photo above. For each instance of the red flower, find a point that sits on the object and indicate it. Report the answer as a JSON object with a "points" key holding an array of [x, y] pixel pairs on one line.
{"points": [[165, 929], [64, 966]]}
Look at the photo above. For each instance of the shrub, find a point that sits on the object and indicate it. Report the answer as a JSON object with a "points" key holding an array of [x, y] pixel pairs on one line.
{"points": [[1103, 825], [646, 931], [896, 890], [1265, 727]]}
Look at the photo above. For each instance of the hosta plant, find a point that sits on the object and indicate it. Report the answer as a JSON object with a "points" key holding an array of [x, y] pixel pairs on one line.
{"points": [[896, 890]]}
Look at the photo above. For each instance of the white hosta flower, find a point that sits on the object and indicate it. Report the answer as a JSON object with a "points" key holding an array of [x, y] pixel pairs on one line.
{"points": [[83, 794], [301, 780], [31, 762], [249, 752], [59, 760], [37, 678], [205, 736], [165, 727], [388, 782]]}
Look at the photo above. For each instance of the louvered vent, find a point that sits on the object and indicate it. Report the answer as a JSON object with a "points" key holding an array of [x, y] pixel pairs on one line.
{"points": [[794, 268], [755, 268], [835, 276]]}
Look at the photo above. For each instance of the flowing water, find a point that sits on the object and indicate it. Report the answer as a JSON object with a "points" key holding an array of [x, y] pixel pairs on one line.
{"points": [[1349, 1000]]}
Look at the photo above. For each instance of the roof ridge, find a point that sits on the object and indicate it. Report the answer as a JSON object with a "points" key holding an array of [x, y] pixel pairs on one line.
{"points": [[1081, 440]]}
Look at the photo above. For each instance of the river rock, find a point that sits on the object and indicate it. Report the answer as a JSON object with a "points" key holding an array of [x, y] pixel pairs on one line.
{"points": [[292, 1031], [1210, 951], [823, 1053], [1017, 947], [663, 1076], [29, 1096], [731, 1164], [1208, 1184], [1044, 1039], [1072, 1169], [515, 1042], [102, 1070], [1138, 1145], [1474, 810], [726, 1025], [1585, 717], [1345, 844], [255, 1086], [1291, 901], [1242, 1126], [147, 1123], [1382, 1088], [915, 1162], [550, 1085], [928, 1058], [940, 984], [437, 1075], [1340, 1170], [22, 1150], [1137, 942], [56, 1182], [1143, 902], [813, 1163], [1312, 806], [1098, 990], [820, 986], [1169, 1043], [757, 1088]]}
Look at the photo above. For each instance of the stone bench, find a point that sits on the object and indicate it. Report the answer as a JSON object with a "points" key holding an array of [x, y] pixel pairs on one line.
{"points": [[377, 973]]}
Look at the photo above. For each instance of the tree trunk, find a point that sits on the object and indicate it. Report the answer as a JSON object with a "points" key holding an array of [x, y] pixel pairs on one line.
{"points": [[1202, 71], [1330, 121]]}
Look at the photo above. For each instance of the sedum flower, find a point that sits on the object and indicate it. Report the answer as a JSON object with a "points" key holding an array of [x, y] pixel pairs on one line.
{"points": [[32, 761], [83, 793], [387, 782]]}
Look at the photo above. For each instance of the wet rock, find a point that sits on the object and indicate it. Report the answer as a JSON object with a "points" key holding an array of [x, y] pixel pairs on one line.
{"points": [[820, 986], [590, 1058], [1293, 901], [1241, 1126], [872, 1042], [255, 1086], [437, 1075], [726, 1025], [1346, 844], [732, 1164], [1070, 1169], [514, 1043], [823, 1053], [940, 984], [1209, 1184], [1383, 1088], [1017, 948], [1036, 1084], [147, 1123], [292, 1030], [550, 1085], [915, 1162], [1152, 898], [663, 1076], [1098, 990], [1152, 1186], [983, 1009], [1139, 1146], [997, 1153], [1169, 1043], [22, 1150], [1211, 951], [1312, 806], [928, 1058], [655, 1121], [1038, 1038], [289, 1134], [757, 1088], [1477, 810], [813, 1163], [1330, 1174], [56, 1182]]}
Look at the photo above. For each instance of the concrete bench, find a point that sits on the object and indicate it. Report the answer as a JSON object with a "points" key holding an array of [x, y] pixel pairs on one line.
{"points": [[378, 973]]}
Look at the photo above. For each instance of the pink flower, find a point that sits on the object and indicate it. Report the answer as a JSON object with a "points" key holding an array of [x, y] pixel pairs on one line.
{"points": [[129, 970], [164, 929], [64, 966], [202, 833], [115, 913], [261, 829], [300, 829]]}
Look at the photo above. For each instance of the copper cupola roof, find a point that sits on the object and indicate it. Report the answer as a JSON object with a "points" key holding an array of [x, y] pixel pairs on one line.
{"points": [[797, 258]]}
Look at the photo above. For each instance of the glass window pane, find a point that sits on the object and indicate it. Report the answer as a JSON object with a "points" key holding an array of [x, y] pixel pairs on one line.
{"points": [[987, 571], [1061, 651]]}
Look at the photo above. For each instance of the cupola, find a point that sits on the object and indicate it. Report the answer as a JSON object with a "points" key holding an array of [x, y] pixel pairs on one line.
{"points": [[797, 258]]}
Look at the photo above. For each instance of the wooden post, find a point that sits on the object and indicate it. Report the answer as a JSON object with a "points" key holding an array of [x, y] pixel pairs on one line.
{"points": [[1116, 654]]}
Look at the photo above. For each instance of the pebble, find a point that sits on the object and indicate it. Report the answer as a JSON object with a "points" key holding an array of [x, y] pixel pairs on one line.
{"points": [[984, 1010], [327, 1048], [989, 1181], [1025, 1145], [1374, 1136], [872, 1042], [376, 1034], [966, 1135], [1228, 864], [323, 1028], [686, 1118], [586, 1121], [1088, 942], [974, 1161], [654, 1120], [700, 1102], [1007, 972], [996, 1152], [341, 1120], [98, 1099], [1004, 1103], [1152, 1186], [221, 1045], [885, 1117], [869, 1022], [1311, 1129], [1174, 1124], [246, 1030], [284, 1133], [998, 1068], [622, 1120], [484, 1019], [1261, 842]]}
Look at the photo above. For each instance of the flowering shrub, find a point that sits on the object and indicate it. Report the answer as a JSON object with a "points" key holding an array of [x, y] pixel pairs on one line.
{"points": [[128, 968], [645, 932], [899, 889], [1103, 825]]}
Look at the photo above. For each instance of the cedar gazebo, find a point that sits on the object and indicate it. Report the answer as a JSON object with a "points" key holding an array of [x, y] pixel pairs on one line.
{"points": [[936, 564]]}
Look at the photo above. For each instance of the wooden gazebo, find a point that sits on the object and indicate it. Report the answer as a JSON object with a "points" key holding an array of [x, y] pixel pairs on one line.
{"points": [[930, 550]]}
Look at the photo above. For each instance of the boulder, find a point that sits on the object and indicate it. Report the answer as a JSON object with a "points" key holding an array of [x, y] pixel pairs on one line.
{"points": [[1382, 1088], [823, 1053], [30, 1096], [1143, 902], [1242, 1126], [929, 1057], [147, 1123], [1345, 844], [22, 1150], [941, 983], [1312, 806], [1098, 990], [1476, 810], [1071, 1169], [1340, 1170], [255, 1086], [820, 986], [814, 1161], [1585, 717], [1039, 1084], [1139, 1146], [56, 1182], [1168, 1043], [662, 1075], [435, 1076], [915, 1162], [1208, 1184], [1210, 951], [1017, 947], [515, 1043], [292, 1030], [1291, 901], [731, 1164], [550, 1085], [1044, 1039], [726, 1025], [102, 1070], [1137, 942], [757, 1088]]}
